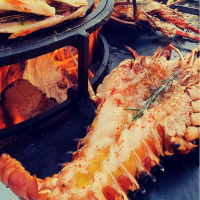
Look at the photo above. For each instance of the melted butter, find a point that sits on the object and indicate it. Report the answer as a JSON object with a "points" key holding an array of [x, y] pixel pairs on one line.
{"points": [[96, 165]]}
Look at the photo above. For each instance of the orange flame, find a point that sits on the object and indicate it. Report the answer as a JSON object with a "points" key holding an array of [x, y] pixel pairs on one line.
{"points": [[3, 74], [67, 59], [17, 118], [5, 80], [2, 123]]}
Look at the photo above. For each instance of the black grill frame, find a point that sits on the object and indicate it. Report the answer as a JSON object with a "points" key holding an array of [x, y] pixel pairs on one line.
{"points": [[44, 41]]}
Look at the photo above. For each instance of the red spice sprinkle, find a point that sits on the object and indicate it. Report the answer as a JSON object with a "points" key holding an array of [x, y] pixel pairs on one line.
{"points": [[119, 102], [113, 91]]}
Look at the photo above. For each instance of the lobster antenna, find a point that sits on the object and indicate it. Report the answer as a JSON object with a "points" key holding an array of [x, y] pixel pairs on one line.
{"points": [[177, 51]]}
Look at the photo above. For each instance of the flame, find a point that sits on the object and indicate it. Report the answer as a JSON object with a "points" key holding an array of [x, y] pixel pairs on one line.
{"points": [[3, 73], [17, 118], [2, 123], [5, 80], [67, 59]]}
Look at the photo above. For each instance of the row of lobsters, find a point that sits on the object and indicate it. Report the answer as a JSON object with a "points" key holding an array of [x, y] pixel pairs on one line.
{"points": [[158, 15], [23, 17], [147, 107]]}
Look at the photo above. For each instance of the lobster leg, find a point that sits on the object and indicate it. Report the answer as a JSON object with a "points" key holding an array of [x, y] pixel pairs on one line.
{"points": [[193, 131], [170, 4], [178, 21], [167, 29], [122, 21]]}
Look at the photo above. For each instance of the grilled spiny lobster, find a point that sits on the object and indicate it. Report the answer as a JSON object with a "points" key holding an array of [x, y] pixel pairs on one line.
{"points": [[145, 10], [117, 151]]}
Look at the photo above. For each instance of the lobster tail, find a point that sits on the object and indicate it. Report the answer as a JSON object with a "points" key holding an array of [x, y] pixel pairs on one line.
{"points": [[14, 176], [125, 13], [25, 186]]}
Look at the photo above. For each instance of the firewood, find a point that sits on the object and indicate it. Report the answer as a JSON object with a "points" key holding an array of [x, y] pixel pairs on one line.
{"points": [[43, 73]]}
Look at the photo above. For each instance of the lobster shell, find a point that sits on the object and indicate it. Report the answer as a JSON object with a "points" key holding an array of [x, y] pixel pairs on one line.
{"points": [[117, 152]]}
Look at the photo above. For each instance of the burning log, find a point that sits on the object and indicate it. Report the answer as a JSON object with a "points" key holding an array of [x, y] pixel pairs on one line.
{"points": [[9, 74], [21, 101], [43, 73]]}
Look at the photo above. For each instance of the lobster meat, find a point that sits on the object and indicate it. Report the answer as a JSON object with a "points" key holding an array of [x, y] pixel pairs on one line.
{"points": [[145, 10], [117, 150]]}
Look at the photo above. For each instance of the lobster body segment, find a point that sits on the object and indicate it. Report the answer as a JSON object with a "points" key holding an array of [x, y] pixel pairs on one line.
{"points": [[118, 151]]}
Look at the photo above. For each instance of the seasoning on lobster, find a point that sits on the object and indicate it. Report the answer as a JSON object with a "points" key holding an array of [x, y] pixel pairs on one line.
{"points": [[147, 10], [117, 150]]}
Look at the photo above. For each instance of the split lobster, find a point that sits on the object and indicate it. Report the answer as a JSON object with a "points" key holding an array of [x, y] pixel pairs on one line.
{"points": [[145, 10], [117, 150]]}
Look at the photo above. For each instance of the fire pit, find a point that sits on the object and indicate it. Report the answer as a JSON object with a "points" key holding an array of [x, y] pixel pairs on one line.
{"points": [[98, 67], [44, 41]]}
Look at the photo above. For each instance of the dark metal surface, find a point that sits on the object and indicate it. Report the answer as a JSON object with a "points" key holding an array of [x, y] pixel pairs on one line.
{"points": [[29, 125], [50, 39], [186, 9]]}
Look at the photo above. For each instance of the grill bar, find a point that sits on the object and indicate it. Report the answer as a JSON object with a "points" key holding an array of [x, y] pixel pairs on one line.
{"points": [[50, 39], [39, 121]]}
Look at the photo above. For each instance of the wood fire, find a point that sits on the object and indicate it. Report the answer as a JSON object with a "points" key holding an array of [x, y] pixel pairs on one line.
{"points": [[45, 78]]}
